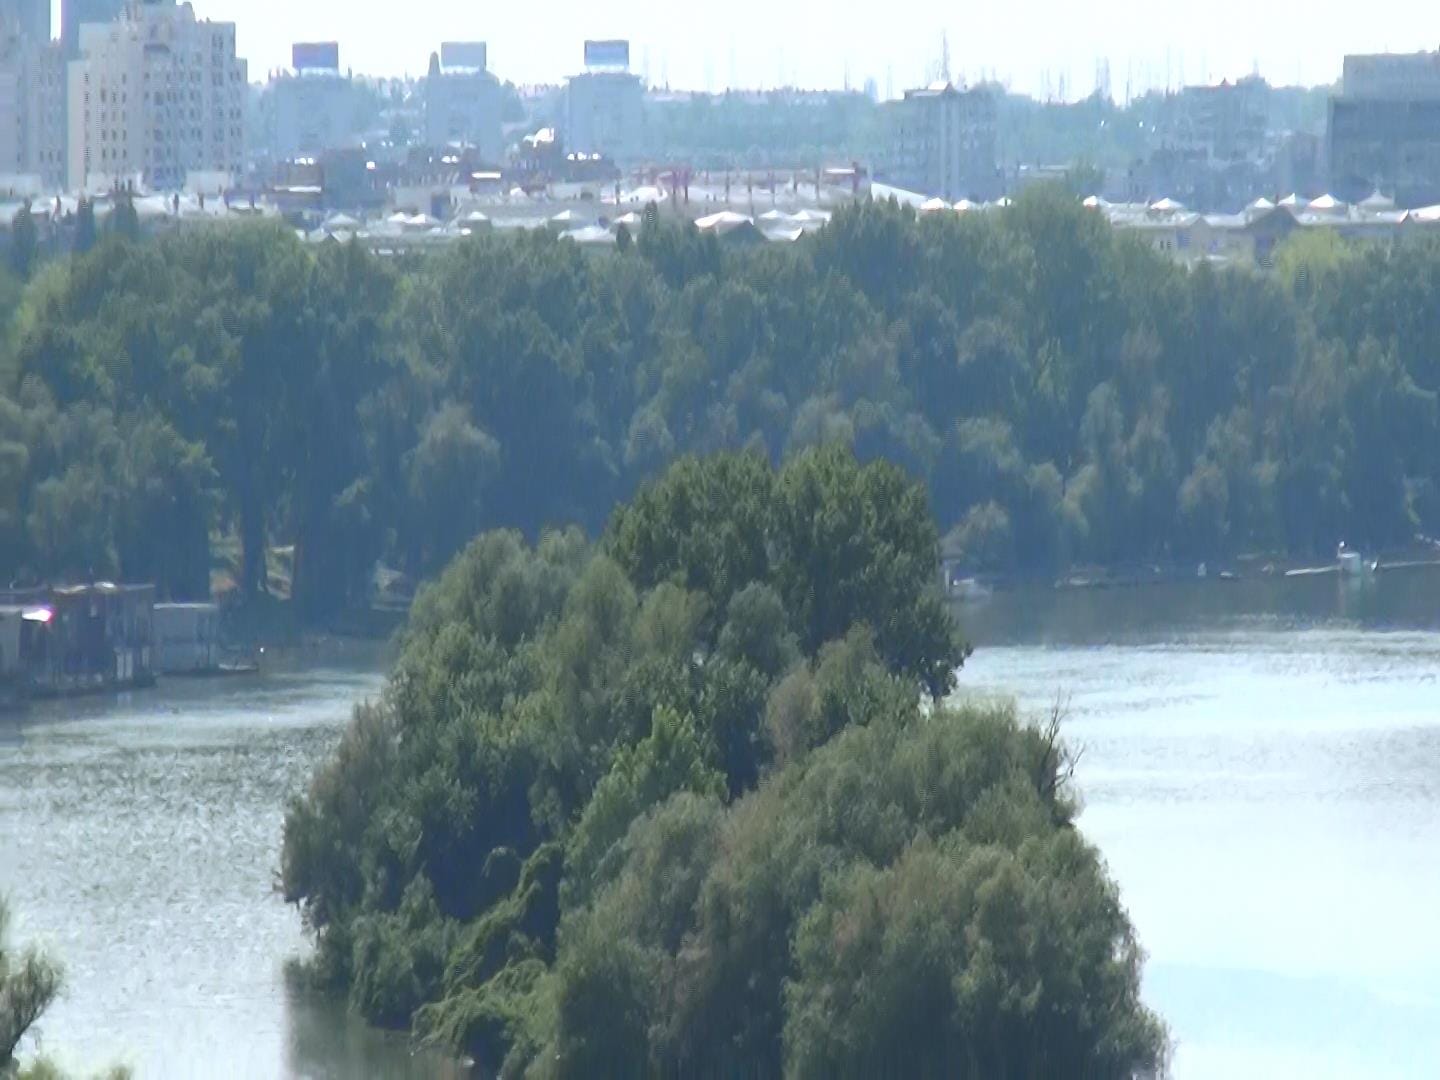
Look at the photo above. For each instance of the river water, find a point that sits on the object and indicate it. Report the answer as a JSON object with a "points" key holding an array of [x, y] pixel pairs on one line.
{"points": [[1259, 768]]}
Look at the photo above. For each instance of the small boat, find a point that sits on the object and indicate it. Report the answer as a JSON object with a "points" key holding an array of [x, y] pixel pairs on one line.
{"points": [[1352, 564], [969, 589]]}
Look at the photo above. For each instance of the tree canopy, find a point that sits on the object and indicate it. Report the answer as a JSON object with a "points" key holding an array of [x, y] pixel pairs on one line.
{"points": [[1066, 396], [639, 807]]}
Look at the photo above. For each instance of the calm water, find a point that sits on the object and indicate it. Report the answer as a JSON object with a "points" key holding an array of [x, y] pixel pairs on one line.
{"points": [[1259, 767], [139, 839]]}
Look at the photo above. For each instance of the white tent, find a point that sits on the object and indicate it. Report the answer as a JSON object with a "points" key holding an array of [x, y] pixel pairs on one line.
{"points": [[724, 222], [590, 235], [1376, 202], [931, 206]]}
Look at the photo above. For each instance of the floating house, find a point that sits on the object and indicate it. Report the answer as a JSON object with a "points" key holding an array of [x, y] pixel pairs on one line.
{"points": [[80, 637]]}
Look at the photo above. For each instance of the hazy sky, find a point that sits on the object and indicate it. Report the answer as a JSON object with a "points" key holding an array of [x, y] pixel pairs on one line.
{"points": [[1029, 44]]}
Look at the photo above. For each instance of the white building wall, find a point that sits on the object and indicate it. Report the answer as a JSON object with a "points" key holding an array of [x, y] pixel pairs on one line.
{"points": [[32, 111], [12, 113], [156, 94]]}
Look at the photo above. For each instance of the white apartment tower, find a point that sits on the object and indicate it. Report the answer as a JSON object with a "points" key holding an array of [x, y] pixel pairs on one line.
{"points": [[154, 96], [32, 112]]}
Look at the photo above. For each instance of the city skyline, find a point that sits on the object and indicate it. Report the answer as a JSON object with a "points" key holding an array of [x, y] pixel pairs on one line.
{"points": [[755, 45]]}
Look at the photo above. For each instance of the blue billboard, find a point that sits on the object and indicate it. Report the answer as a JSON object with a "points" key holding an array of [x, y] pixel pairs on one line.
{"points": [[315, 56], [607, 54], [463, 54]]}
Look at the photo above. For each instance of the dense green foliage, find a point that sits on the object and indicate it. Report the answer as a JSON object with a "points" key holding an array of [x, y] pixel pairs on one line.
{"points": [[1065, 394], [683, 804]]}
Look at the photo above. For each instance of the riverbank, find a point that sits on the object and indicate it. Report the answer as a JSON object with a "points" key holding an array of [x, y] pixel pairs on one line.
{"points": [[1419, 556], [267, 622]]}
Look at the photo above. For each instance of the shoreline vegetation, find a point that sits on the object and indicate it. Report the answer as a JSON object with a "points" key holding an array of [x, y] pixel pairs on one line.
{"points": [[235, 412], [685, 800], [30, 982]]}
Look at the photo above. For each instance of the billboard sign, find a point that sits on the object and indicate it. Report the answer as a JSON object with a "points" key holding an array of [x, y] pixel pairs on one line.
{"points": [[607, 54], [463, 54], [315, 56]]}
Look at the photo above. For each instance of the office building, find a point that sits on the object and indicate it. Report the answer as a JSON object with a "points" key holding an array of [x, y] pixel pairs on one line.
{"points": [[604, 114], [1383, 130], [940, 141], [32, 111], [463, 101], [604, 109], [312, 107], [154, 96], [29, 19]]}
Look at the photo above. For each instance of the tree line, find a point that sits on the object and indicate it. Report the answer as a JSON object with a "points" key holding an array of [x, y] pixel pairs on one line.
{"points": [[193, 401], [687, 801]]}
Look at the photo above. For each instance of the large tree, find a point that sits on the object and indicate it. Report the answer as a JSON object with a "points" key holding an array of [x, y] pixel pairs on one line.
{"points": [[29, 984]]}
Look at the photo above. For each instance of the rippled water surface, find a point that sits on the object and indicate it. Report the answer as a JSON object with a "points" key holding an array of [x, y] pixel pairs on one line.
{"points": [[1260, 767]]}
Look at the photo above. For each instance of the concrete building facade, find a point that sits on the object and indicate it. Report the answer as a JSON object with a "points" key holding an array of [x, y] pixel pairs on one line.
{"points": [[311, 112], [940, 141], [32, 111], [155, 95]]}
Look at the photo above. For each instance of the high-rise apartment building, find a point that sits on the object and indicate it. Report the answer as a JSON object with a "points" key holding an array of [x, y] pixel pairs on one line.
{"points": [[604, 114], [28, 18], [312, 107], [155, 95], [463, 100], [605, 105], [32, 111], [940, 141]]}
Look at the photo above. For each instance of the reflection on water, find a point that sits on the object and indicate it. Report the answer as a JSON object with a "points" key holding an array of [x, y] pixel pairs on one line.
{"points": [[326, 1043], [1259, 770]]}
